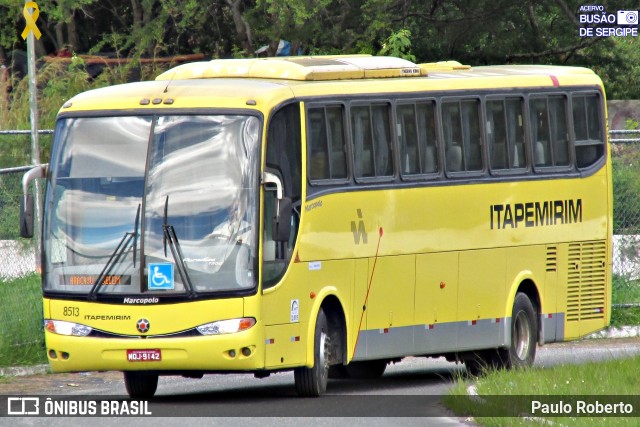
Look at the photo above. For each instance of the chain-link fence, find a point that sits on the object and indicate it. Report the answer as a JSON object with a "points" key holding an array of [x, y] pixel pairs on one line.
{"points": [[21, 333], [21, 337], [625, 159]]}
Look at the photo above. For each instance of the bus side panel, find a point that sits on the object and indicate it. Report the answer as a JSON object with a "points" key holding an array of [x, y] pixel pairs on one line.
{"points": [[481, 298], [436, 302], [357, 337], [284, 346], [390, 307], [289, 309]]}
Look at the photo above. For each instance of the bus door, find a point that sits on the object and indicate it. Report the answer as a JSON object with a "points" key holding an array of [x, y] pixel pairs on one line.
{"points": [[282, 299]]}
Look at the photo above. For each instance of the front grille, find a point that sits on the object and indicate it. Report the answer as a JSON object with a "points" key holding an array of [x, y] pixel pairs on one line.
{"points": [[96, 333]]}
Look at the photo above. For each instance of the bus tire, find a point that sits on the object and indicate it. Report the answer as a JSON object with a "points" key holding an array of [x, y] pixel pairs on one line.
{"points": [[140, 384], [524, 332], [312, 382], [478, 363], [368, 369]]}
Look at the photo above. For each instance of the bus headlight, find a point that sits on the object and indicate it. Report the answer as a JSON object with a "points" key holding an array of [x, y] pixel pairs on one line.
{"points": [[226, 326], [61, 327]]}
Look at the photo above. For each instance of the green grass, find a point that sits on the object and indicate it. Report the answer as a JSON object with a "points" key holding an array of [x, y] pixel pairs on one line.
{"points": [[21, 335], [510, 393], [625, 316], [625, 290]]}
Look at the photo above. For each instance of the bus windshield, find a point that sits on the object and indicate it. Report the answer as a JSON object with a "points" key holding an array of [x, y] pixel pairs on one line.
{"points": [[159, 205]]}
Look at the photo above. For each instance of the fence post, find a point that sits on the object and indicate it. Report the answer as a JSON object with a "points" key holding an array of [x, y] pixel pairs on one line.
{"points": [[35, 145]]}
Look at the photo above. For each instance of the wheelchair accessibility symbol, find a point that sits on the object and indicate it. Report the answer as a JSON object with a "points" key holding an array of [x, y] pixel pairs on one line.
{"points": [[160, 276]]}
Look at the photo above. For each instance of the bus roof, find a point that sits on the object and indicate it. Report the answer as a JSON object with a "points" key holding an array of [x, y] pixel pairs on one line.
{"points": [[262, 82], [336, 67]]}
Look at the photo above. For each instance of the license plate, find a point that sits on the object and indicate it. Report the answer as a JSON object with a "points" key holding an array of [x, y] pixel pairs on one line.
{"points": [[150, 355]]}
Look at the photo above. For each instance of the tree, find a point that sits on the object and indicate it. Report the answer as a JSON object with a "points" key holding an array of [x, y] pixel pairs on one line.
{"points": [[476, 33]]}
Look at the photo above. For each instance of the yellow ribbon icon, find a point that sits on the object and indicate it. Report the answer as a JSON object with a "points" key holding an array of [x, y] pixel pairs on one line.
{"points": [[31, 19]]}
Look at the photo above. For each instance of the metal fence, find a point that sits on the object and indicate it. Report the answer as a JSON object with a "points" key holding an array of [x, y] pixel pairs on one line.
{"points": [[19, 259]]}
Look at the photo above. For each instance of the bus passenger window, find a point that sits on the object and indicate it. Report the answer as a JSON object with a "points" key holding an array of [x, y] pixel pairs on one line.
{"points": [[540, 132], [471, 135], [515, 133], [427, 137], [505, 134], [549, 130], [337, 146], [452, 136], [362, 144], [462, 138], [382, 140], [327, 159], [559, 132], [319, 164], [496, 135], [589, 144], [408, 138], [371, 135]]}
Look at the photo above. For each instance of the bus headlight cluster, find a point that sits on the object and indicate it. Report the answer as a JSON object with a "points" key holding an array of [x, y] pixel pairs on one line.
{"points": [[61, 327], [226, 326]]}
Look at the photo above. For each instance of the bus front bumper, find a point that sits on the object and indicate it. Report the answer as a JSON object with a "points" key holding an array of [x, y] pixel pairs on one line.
{"points": [[231, 352]]}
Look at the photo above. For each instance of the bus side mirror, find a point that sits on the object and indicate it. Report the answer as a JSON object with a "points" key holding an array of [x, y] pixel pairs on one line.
{"points": [[26, 216], [26, 201], [281, 230]]}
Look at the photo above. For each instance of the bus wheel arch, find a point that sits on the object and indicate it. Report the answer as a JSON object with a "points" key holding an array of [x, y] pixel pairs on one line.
{"points": [[529, 288], [329, 348], [524, 327], [337, 329], [523, 337]]}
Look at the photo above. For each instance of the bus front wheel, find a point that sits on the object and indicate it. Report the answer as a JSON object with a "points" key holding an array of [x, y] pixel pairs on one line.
{"points": [[312, 382], [140, 384]]}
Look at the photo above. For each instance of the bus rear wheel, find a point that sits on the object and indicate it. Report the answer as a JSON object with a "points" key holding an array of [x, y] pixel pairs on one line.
{"points": [[524, 332], [312, 382], [522, 349], [140, 384]]}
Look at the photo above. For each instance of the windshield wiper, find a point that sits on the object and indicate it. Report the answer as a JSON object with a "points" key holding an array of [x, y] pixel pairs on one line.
{"points": [[115, 257], [169, 236]]}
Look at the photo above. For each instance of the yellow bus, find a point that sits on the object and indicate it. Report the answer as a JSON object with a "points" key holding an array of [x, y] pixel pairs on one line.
{"points": [[325, 215]]}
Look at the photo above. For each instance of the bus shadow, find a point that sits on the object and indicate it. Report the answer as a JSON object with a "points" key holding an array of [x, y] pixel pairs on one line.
{"points": [[405, 382]]}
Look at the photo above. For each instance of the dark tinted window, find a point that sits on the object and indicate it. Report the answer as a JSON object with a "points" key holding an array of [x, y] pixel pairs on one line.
{"points": [[416, 129], [505, 134], [327, 150], [371, 136], [549, 136], [587, 119], [462, 137]]}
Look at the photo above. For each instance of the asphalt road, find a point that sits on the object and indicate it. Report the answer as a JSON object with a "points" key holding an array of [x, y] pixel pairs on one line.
{"points": [[246, 401]]}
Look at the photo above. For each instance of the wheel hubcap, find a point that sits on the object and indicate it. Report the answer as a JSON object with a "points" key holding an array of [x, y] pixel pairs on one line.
{"points": [[324, 354], [522, 338]]}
